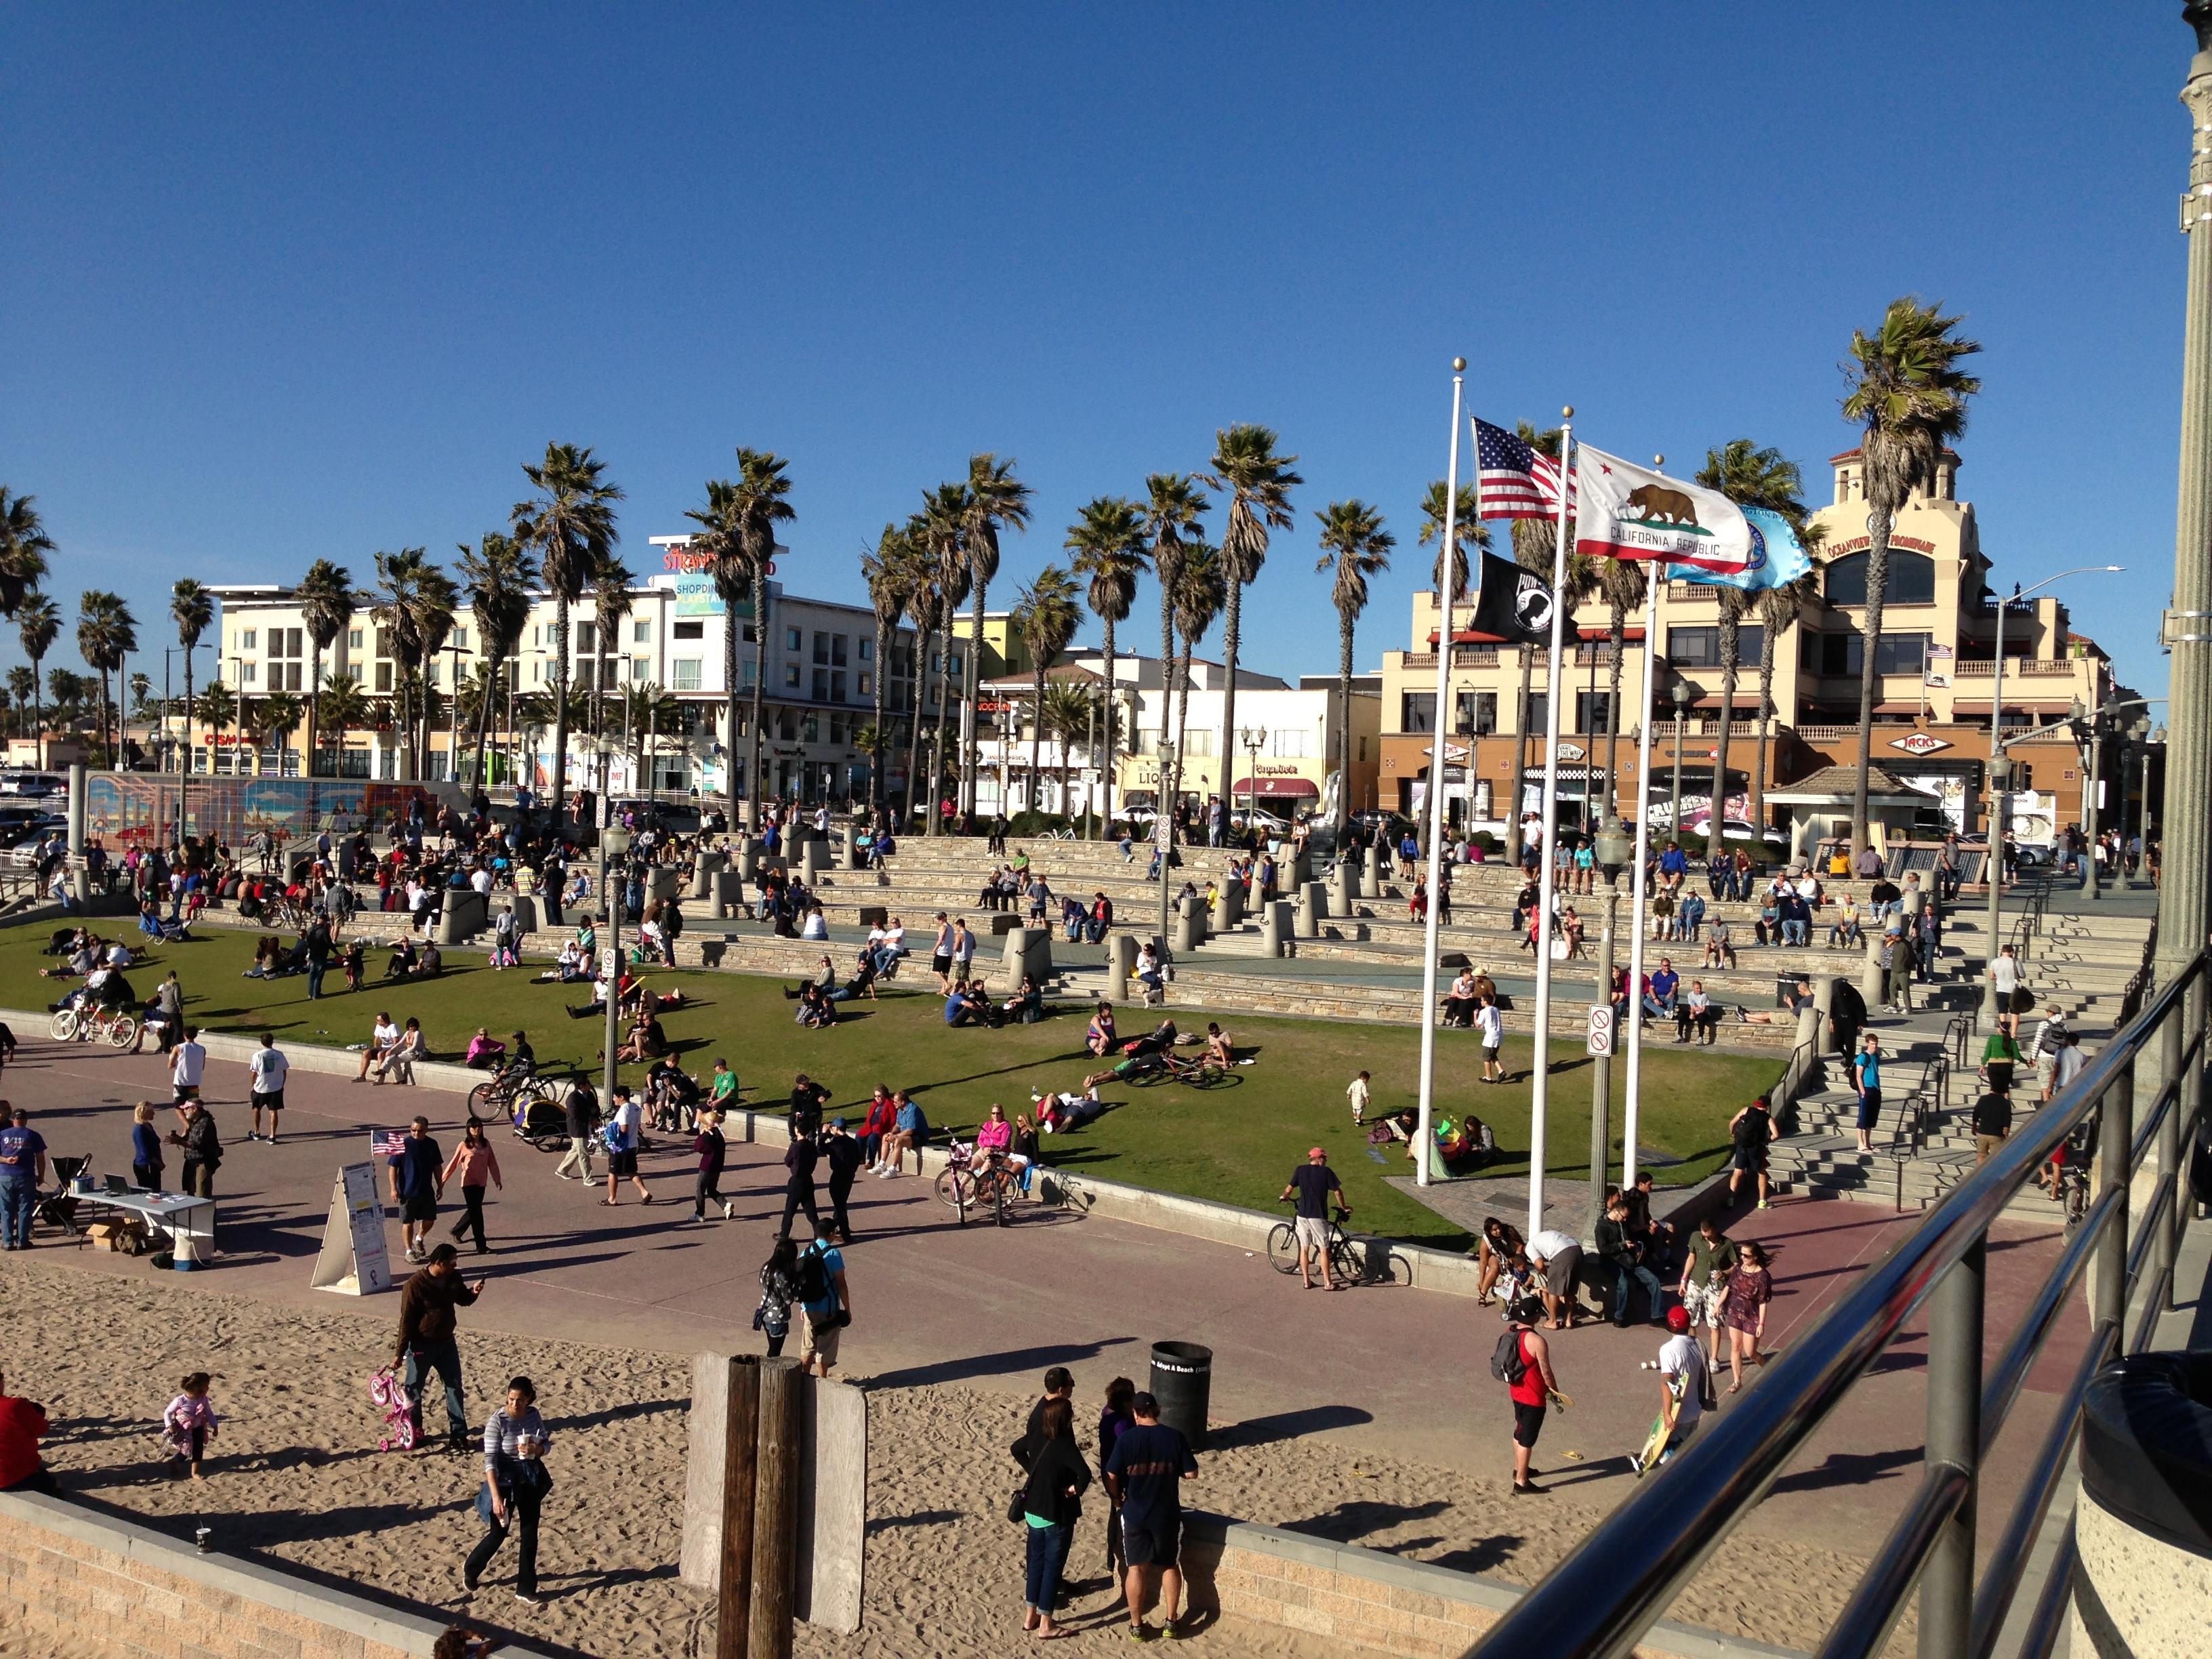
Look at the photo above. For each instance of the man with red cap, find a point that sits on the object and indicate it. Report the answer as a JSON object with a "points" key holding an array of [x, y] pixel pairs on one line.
{"points": [[1681, 1387], [1311, 1183]]}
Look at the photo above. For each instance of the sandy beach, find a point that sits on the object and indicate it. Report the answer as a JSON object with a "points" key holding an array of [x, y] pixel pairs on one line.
{"points": [[297, 1476]]}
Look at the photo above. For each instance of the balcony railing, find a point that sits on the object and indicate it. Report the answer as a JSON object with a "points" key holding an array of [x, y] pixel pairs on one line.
{"points": [[1982, 668]]}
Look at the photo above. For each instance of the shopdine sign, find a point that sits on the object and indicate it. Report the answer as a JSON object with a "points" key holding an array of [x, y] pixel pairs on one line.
{"points": [[1919, 742], [688, 561]]}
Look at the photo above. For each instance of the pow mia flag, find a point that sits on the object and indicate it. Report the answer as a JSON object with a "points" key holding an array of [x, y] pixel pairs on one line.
{"points": [[1511, 604]]}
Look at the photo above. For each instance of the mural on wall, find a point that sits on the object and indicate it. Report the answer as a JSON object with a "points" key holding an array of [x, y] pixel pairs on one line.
{"points": [[139, 809]]}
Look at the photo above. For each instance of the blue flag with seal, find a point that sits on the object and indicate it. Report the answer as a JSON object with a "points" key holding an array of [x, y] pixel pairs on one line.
{"points": [[1777, 556]]}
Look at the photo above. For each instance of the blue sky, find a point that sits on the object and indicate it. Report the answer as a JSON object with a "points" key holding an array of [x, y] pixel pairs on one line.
{"points": [[292, 283]]}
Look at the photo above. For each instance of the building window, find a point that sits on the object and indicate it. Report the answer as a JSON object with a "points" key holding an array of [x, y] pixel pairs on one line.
{"points": [[837, 651], [1701, 647], [384, 679], [866, 648], [689, 630], [1416, 711], [1842, 656], [1593, 712], [821, 685], [836, 731], [865, 684], [812, 729], [1292, 744], [642, 633], [1911, 579], [588, 638], [353, 638], [459, 641], [684, 673], [791, 639], [640, 668], [836, 685], [791, 676], [1539, 712], [1474, 714], [821, 647]]}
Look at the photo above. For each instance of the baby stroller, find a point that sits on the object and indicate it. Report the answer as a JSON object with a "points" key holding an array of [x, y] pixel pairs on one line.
{"points": [[57, 1208], [542, 1121], [390, 1396]]}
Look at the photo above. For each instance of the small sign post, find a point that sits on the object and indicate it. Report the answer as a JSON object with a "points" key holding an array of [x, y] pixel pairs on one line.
{"points": [[1600, 1030]]}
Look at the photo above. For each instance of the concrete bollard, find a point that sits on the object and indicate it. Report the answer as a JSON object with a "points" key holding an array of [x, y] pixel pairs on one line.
{"points": [[461, 917], [850, 857], [1301, 863], [77, 809], [751, 851], [527, 919], [1372, 868], [702, 873], [663, 881], [1313, 905], [810, 861], [1029, 950], [1871, 978], [1275, 927], [1823, 1002], [1189, 924], [1121, 963], [729, 893], [1232, 907], [1339, 889]]}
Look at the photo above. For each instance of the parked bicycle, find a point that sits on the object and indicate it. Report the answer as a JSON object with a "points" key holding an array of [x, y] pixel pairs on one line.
{"points": [[1198, 1073], [967, 1182], [116, 1026], [1343, 1256]]}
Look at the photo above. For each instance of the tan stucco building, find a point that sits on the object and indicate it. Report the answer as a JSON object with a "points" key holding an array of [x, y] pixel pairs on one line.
{"points": [[1931, 715]]}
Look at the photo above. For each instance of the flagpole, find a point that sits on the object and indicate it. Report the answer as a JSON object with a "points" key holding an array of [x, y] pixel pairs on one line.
{"points": [[1546, 836], [1634, 1083], [1439, 752]]}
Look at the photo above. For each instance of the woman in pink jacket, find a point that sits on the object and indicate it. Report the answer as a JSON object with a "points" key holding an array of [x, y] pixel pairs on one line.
{"points": [[475, 1163]]}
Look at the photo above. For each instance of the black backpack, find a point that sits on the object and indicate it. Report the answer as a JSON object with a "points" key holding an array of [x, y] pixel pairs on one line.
{"points": [[1507, 1362], [813, 1276]]}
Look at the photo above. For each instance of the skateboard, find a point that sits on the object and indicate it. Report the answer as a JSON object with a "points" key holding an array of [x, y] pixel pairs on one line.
{"points": [[1655, 1442]]}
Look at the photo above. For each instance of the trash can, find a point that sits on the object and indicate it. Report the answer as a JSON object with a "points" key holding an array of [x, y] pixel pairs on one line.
{"points": [[1182, 1379], [2143, 1525]]}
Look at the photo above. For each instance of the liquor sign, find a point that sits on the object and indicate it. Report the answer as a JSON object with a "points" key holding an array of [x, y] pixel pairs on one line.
{"points": [[1601, 1029]]}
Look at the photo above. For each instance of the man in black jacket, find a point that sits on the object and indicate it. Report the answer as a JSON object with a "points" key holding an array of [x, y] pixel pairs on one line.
{"points": [[203, 1148], [799, 1189], [844, 1155], [1625, 1257], [427, 1317]]}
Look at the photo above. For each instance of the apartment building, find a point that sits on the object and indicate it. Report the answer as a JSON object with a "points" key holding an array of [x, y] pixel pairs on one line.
{"points": [[1936, 657], [818, 698]]}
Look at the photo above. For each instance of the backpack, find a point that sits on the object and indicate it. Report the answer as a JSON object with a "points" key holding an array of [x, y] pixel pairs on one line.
{"points": [[813, 1276], [1507, 1362]]}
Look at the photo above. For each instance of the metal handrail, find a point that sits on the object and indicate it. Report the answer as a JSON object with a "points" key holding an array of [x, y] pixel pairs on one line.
{"points": [[1603, 1596]]}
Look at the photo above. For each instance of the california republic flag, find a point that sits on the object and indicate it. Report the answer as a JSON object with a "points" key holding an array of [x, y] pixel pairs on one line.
{"points": [[1629, 512]]}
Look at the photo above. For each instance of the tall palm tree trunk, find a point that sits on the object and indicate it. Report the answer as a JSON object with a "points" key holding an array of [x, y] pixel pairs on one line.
{"points": [[39, 705], [936, 739], [876, 723], [1170, 756], [185, 772], [1716, 816], [1106, 772], [1880, 519], [1344, 734], [913, 724], [1765, 713], [315, 707], [753, 780], [971, 717], [1619, 636], [1231, 636], [1036, 740], [1182, 715], [560, 708], [487, 697]]}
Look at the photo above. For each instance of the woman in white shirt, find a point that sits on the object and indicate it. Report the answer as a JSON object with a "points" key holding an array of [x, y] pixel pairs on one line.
{"points": [[817, 925]]}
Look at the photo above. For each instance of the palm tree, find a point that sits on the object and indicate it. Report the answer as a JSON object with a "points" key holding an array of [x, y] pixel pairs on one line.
{"points": [[24, 546], [1779, 610], [67, 689], [271, 718], [649, 711], [1107, 542], [1202, 589], [216, 709], [996, 499], [1046, 617], [889, 571], [38, 625], [1621, 584], [1910, 398], [23, 687], [1173, 508], [496, 575], [327, 602], [569, 525], [417, 613], [1258, 481], [757, 506], [925, 605], [1353, 540], [1749, 476], [944, 534], [192, 607], [105, 633], [345, 706], [142, 693], [611, 604]]}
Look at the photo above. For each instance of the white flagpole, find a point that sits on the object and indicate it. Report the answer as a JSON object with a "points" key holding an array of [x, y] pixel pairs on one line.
{"points": [[1439, 749], [1656, 574], [1546, 836]]}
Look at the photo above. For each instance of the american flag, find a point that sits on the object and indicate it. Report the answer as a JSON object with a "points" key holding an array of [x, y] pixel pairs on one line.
{"points": [[386, 1143], [1512, 480]]}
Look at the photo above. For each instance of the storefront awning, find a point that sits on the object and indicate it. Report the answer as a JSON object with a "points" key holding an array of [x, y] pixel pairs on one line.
{"points": [[1280, 788]]}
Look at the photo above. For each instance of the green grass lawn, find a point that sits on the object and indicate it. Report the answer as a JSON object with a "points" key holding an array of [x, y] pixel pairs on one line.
{"points": [[1234, 1144]]}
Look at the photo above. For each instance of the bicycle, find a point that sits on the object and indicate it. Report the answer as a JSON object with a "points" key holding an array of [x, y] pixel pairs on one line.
{"points": [[117, 1025], [964, 1182], [1063, 1191], [1343, 1256], [1197, 1073]]}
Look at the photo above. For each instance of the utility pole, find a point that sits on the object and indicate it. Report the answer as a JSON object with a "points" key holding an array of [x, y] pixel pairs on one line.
{"points": [[1613, 852]]}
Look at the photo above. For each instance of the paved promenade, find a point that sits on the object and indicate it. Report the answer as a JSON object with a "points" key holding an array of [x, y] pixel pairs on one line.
{"points": [[1401, 1371]]}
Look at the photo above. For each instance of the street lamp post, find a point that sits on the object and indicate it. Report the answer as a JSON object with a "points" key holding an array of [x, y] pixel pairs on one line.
{"points": [[1681, 695], [2094, 725], [611, 841], [1612, 852], [1254, 739], [1993, 874]]}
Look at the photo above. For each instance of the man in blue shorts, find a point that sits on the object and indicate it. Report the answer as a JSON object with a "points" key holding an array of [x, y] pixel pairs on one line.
{"points": [[1144, 1475]]}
